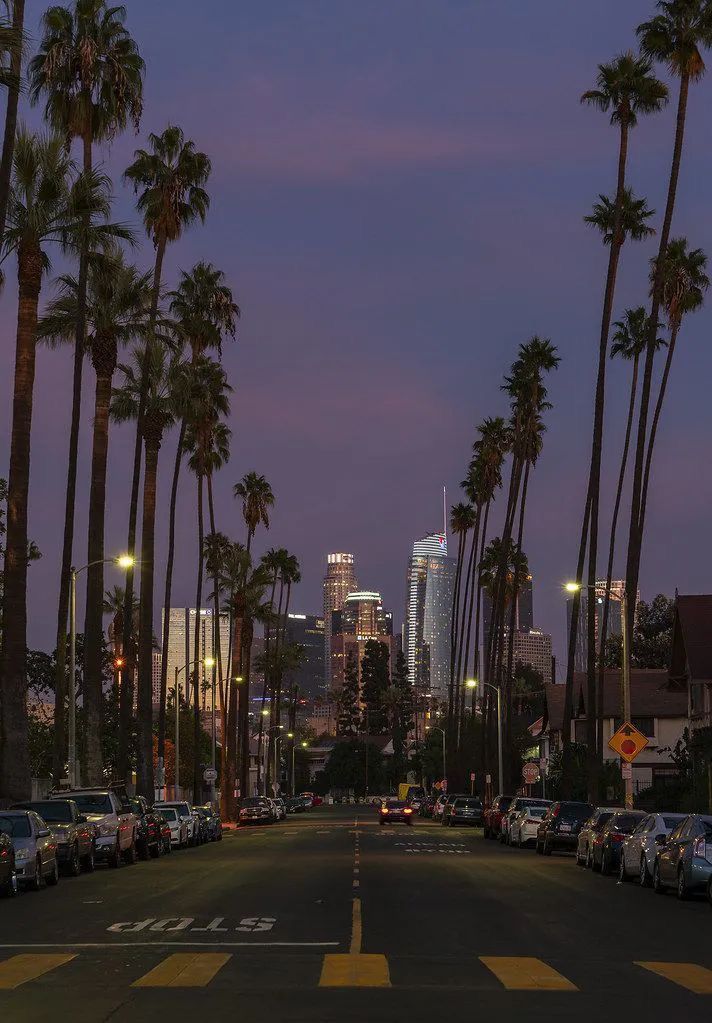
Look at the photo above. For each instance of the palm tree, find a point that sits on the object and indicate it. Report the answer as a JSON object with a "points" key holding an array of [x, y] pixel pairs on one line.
{"points": [[158, 416], [90, 74], [462, 519], [290, 575], [12, 31], [169, 176], [676, 36], [44, 207], [257, 499]]}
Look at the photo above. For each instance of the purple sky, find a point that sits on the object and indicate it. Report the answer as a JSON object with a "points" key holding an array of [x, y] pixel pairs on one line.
{"points": [[398, 194]]}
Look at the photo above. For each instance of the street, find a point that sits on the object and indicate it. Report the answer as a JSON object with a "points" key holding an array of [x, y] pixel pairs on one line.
{"points": [[284, 922]]}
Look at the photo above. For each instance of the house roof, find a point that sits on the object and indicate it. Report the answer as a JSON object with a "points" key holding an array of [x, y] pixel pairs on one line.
{"points": [[692, 639], [649, 697]]}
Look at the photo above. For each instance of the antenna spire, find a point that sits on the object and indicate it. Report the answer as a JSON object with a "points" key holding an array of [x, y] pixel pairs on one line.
{"points": [[444, 513]]}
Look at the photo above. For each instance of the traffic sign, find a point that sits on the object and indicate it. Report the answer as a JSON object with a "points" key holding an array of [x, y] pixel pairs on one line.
{"points": [[628, 742], [472, 775], [210, 774], [530, 773]]}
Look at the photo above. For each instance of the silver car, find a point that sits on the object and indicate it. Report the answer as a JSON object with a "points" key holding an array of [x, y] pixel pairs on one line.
{"points": [[684, 862], [641, 848], [35, 848], [186, 815]]}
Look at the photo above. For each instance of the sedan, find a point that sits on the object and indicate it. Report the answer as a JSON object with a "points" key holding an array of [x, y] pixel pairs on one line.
{"points": [[685, 860], [514, 807], [525, 825], [35, 849], [71, 830], [463, 810], [641, 848], [395, 812], [587, 835], [493, 815], [8, 874], [561, 826], [608, 843], [178, 826]]}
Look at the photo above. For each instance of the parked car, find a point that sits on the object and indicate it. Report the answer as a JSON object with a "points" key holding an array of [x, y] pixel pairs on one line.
{"points": [[256, 810], [165, 833], [309, 799], [525, 825], [281, 808], [149, 827], [493, 815], [71, 830], [177, 826], [463, 810], [590, 830], [35, 848], [560, 826], [640, 849], [295, 805], [439, 806], [426, 807], [109, 811], [447, 798], [186, 815], [517, 804], [212, 821], [395, 811], [684, 861], [608, 843], [8, 874]]}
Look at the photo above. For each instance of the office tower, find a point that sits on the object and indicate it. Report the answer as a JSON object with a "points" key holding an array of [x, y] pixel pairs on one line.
{"points": [[156, 678], [614, 618], [182, 652], [363, 615], [524, 620], [428, 612], [339, 581], [533, 648], [308, 631], [361, 618]]}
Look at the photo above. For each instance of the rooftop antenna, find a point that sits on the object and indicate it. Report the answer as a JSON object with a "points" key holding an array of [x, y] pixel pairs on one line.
{"points": [[444, 513]]}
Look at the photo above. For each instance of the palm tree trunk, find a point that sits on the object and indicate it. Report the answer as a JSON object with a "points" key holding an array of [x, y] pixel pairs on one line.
{"points": [[144, 772], [268, 634], [656, 418], [197, 727], [567, 752], [454, 621], [272, 686], [167, 593], [217, 644], [13, 100], [14, 758], [126, 696], [467, 611], [93, 622], [637, 517], [234, 717]]}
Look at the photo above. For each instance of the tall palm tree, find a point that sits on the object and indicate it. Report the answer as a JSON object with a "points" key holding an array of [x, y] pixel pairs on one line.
{"points": [[290, 575], [235, 571], [89, 72], [462, 519], [44, 207], [676, 36], [257, 499], [158, 416], [12, 32]]}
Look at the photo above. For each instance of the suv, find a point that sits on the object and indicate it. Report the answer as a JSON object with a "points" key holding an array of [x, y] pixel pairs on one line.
{"points": [[149, 834], [186, 815], [71, 830], [561, 825], [257, 810], [116, 825], [463, 810], [493, 815]]}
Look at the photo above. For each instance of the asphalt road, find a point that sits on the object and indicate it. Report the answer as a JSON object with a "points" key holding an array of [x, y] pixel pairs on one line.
{"points": [[330, 916]]}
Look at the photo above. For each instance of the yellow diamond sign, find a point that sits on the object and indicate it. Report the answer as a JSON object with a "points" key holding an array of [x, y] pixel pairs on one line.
{"points": [[628, 742]]}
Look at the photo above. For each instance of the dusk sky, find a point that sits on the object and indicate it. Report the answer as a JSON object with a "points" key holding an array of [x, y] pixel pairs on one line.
{"points": [[398, 194]]}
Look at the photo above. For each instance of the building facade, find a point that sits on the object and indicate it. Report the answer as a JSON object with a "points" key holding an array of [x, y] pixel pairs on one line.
{"points": [[428, 612], [614, 618], [339, 581], [308, 632], [534, 648], [524, 615], [182, 649]]}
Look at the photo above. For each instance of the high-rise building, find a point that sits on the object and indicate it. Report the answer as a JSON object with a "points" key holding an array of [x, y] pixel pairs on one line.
{"points": [[614, 618], [156, 660], [524, 614], [344, 644], [339, 581], [182, 649], [308, 631], [428, 613], [362, 615], [534, 648]]}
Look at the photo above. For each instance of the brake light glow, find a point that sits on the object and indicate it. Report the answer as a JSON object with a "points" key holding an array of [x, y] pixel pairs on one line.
{"points": [[617, 837], [407, 810]]}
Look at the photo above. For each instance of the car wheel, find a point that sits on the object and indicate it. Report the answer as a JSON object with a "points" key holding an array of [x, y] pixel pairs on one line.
{"points": [[644, 873], [381, 823], [709, 891], [622, 875], [9, 888], [90, 860], [537, 847], [37, 881], [74, 868], [53, 877], [658, 887], [547, 848], [682, 890], [131, 853], [605, 862], [115, 859], [154, 851]]}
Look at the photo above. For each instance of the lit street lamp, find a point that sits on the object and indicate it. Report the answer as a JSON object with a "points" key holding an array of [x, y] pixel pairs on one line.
{"points": [[304, 745], [472, 684], [124, 561]]}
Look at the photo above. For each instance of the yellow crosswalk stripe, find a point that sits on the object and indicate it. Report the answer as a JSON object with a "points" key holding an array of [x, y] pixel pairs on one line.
{"points": [[29, 966], [697, 979], [522, 973], [355, 971], [184, 969]]}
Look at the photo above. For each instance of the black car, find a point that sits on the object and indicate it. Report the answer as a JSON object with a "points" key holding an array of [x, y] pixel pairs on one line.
{"points": [[149, 831], [203, 835], [71, 830], [8, 876], [296, 805], [213, 823], [394, 811], [463, 810], [607, 846], [561, 825]]}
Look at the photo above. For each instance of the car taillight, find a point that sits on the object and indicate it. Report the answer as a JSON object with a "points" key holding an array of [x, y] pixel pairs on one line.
{"points": [[616, 837], [556, 811], [699, 847], [407, 810]]}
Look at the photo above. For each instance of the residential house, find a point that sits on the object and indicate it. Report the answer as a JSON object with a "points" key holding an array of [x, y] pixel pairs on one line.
{"points": [[691, 673]]}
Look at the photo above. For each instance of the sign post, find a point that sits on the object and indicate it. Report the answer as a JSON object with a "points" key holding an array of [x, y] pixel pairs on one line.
{"points": [[628, 742], [472, 783]]}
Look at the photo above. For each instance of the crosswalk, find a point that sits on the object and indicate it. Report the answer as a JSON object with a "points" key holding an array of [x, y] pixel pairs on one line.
{"points": [[198, 969]]}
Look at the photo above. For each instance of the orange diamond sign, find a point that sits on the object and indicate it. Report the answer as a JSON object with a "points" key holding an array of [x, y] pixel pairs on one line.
{"points": [[628, 742]]}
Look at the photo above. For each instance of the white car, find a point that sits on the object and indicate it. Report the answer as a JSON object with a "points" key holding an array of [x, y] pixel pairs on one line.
{"points": [[186, 815], [280, 808], [439, 806], [179, 827], [524, 827], [518, 804], [640, 848]]}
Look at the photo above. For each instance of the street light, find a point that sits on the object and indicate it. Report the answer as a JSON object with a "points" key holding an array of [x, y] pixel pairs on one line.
{"points": [[498, 691], [304, 745], [436, 728], [176, 772], [574, 587], [124, 561]]}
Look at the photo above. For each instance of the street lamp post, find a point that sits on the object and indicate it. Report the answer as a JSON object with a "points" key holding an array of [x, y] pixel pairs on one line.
{"points": [[625, 670], [123, 561], [208, 662], [472, 684], [304, 745], [267, 732]]}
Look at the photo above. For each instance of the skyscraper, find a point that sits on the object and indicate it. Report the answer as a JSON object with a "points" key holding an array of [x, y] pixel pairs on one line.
{"points": [[339, 581], [524, 621], [181, 648], [428, 611], [308, 632]]}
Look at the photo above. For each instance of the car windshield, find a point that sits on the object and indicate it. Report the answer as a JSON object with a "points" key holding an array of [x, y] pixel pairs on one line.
{"points": [[536, 811], [54, 812], [395, 804], [93, 802], [579, 811], [672, 822], [706, 829], [254, 801], [627, 823], [16, 826], [472, 803], [169, 815], [602, 821]]}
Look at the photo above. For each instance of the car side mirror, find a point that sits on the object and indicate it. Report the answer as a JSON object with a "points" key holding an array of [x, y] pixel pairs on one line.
{"points": [[44, 833]]}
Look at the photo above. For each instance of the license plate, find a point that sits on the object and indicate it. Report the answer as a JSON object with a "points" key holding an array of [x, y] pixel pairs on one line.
{"points": [[565, 827]]}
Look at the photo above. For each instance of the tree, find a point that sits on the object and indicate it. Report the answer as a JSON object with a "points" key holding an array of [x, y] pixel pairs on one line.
{"points": [[257, 499], [12, 44], [374, 684], [462, 519], [347, 700], [400, 704], [90, 74], [651, 642], [354, 766]]}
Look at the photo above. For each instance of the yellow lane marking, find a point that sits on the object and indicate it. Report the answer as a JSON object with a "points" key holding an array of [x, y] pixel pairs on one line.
{"points": [[355, 971], [21, 968], [695, 978], [522, 973], [184, 969]]}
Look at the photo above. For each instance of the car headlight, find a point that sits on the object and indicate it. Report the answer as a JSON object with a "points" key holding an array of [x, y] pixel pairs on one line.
{"points": [[22, 854]]}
